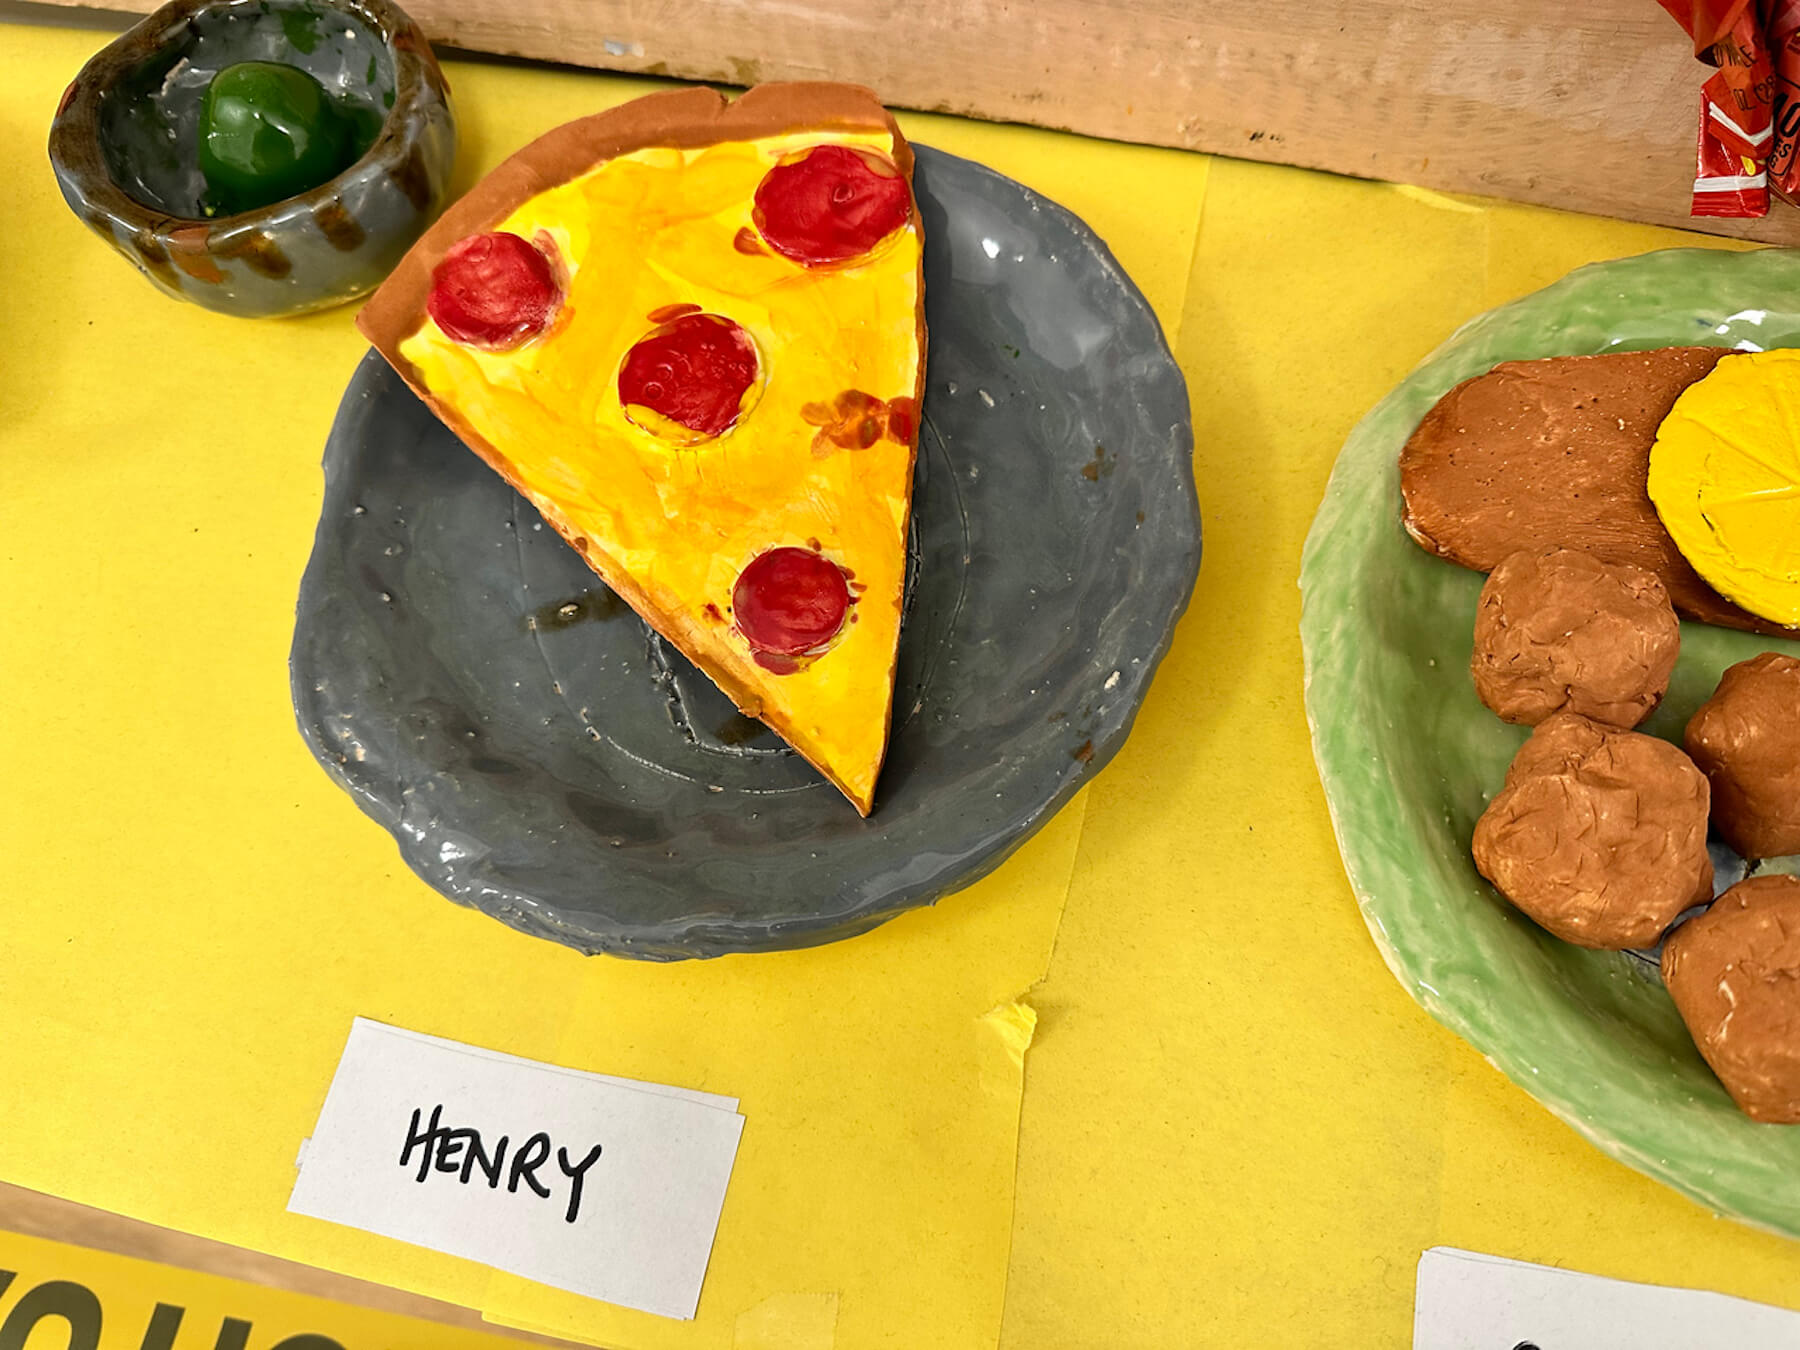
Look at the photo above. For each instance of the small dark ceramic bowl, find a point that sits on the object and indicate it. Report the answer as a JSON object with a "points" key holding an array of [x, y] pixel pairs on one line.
{"points": [[124, 145]]}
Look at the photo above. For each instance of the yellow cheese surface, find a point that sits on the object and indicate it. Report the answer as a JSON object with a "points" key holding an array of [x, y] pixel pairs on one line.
{"points": [[1725, 478], [663, 227]]}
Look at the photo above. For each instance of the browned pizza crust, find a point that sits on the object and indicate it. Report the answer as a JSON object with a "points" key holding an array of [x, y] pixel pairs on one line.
{"points": [[684, 118], [1555, 453]]}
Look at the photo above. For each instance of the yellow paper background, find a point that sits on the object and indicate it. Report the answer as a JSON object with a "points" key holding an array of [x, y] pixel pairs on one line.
{"points": [[1235, 1128]]}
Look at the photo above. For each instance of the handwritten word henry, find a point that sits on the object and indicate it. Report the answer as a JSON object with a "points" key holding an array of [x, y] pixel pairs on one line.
{"points": [[463, 1153]]}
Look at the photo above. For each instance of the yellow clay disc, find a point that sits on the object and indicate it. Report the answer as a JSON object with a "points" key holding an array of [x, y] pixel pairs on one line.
{"points": [[1725, 478]]}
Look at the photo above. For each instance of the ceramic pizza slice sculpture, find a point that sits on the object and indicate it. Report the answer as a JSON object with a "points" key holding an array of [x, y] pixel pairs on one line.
{"points": [[690, 332]]}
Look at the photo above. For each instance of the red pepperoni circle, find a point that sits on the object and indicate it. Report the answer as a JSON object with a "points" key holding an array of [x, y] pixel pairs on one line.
{"points": [[790, 600], [829, 206], [694, 370], [494, 290]]}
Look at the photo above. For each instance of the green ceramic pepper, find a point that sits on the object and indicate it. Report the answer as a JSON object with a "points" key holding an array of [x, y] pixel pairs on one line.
{"points": [[269, 131]]}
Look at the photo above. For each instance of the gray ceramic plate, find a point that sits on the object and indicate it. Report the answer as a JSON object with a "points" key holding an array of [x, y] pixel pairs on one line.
{"points": [[539, 754], [1408, 755]]}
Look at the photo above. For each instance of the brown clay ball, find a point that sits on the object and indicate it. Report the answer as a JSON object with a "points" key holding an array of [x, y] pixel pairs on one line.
{"points": [[1734, 973], [1599, 834], [1561, 631], [1746, 739]]}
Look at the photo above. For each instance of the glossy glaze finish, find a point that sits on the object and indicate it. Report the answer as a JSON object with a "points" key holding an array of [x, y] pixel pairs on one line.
{"points": [[699, 394], [540, 755], [1408, 755], [124, 145]]}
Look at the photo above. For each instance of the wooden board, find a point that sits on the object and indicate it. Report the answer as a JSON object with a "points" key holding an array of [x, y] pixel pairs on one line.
{"points": [[1590, 106]]}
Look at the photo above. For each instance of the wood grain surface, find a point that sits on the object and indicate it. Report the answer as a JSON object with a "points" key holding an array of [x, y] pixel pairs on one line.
{"points": [[1589, 106]]}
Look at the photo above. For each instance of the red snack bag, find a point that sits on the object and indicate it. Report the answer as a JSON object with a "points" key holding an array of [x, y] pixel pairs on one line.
{"points": [[1736, 122], [1781, 28], [1725, 184]]}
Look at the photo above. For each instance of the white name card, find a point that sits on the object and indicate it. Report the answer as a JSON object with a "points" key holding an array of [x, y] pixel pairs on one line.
{"points": [[1468, 1301], [602, 1186]]}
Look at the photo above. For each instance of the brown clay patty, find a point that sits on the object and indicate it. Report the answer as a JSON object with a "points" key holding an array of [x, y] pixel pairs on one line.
{"points": [[1555, 454]]}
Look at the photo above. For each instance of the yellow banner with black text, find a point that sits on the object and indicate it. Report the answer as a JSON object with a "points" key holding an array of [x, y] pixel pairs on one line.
{"points": [[55, 1295]]}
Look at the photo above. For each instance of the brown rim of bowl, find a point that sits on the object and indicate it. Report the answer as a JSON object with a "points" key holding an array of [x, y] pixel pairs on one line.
{"points": [[75, 130]]}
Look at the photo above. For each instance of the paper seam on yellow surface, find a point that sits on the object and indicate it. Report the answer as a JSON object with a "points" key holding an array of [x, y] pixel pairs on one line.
{"points": [[1172, 334], [788, 1322], [1016, 1022], [1001, 1080], [1441, 200], [1079, 804], [1172, 329]]}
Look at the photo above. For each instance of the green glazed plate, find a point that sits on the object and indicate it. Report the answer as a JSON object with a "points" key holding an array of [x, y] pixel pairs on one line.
{"points": [[1408, 755]]}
